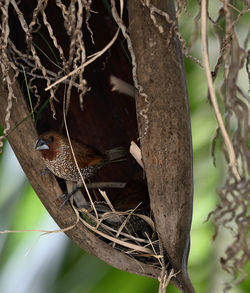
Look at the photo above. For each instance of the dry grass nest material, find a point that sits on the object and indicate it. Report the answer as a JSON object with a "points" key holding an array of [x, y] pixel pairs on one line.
{"points": [[131, 231]]}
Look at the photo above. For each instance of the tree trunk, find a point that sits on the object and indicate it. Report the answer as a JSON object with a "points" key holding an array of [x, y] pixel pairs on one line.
{"points": [[164, 126]]}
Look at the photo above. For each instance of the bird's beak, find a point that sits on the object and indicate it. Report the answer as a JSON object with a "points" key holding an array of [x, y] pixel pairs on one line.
{"points": [[41, 145]]}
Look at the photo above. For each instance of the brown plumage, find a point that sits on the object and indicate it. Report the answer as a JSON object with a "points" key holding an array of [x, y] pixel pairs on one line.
{"points": [[57, 156]]}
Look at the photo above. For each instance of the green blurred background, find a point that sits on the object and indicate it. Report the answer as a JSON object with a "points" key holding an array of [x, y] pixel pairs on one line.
{"points": [[51, 263]]}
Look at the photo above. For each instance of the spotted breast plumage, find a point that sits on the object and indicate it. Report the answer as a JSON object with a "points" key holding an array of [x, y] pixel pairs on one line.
{"points": [[58, 158]]}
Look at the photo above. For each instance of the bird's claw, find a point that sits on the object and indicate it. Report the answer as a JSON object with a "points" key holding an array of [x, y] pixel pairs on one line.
{"points": [[66, 197]]}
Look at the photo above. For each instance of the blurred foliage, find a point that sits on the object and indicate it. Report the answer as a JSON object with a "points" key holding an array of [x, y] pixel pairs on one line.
{"points": [[52, 263]]}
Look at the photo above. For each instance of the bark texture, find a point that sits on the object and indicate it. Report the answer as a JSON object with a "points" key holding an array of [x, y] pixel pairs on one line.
{"points": [[164, 126]]}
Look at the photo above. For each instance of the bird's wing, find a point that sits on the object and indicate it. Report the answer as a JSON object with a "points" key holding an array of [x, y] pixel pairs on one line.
{"points": [[86, 155]]}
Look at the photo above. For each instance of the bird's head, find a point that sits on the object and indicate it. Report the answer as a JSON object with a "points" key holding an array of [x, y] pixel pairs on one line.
{"points": [[48, 143]]}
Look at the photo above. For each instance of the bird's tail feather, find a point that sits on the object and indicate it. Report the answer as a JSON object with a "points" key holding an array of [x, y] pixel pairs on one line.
{"points": [[118, 154]]}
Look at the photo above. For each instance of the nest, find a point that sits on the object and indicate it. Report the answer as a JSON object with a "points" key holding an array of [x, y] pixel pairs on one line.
{"points": [[132, 232]]}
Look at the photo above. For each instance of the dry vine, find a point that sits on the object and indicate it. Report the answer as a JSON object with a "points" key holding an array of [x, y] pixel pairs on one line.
{"points": [[232, 211], [13, 58]]}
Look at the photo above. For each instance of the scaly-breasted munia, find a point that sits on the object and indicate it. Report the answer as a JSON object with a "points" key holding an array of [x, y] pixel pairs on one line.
{"points": [[58, 158]]}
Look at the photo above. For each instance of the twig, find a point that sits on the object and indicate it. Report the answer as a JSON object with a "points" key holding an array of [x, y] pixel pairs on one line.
{"points": [[124, 223], [104, 195], [231, 153], [106, 185], [75, 161], [136, 153], [28, 92], [164, 280], [54, 77], [158, 257]]}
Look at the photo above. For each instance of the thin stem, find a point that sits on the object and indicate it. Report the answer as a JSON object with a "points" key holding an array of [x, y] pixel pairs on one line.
{"points": [[230, 149]]}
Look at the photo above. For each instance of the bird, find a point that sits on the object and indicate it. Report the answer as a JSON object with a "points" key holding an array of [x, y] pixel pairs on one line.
{"points": [[57, 156]]}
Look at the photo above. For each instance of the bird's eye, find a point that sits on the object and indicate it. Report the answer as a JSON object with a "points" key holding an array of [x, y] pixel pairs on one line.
{"points": [[50, 139]]}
